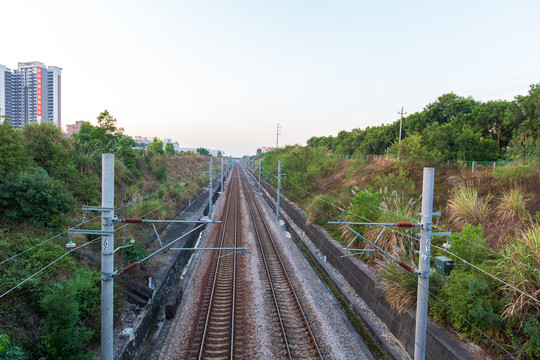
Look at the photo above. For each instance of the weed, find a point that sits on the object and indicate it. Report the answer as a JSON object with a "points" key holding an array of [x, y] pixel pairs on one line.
{"points": [[400, 288], [526, 249], [511, 210], [467, 207]]}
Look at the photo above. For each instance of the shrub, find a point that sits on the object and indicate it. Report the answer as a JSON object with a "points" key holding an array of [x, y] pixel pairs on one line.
{"points": [[34, 197], [322, 209], [469, 244], [466, 207], [472, 298], [511, 211], [134, 253], [393, 208], [8, 351], [161, 173], [365, 208], [66, 304]]}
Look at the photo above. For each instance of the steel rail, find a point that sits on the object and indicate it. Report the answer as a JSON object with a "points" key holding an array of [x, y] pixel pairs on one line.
{"points": [[283, 272], [230, 208]]}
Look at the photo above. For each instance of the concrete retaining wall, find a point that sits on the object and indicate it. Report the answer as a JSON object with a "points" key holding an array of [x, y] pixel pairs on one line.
{"points": [[440, 345]]}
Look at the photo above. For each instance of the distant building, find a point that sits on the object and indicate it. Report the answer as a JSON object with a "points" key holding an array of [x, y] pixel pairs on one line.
{"points": [[31, 94], [265, 149], [74, 129]]}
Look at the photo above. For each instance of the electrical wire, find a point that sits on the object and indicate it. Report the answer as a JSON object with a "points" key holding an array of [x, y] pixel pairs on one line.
{"points": [[373, 297], [47, 266], [464, 261], [437, 298], [435, 226], [87, 221], [458, 314]]}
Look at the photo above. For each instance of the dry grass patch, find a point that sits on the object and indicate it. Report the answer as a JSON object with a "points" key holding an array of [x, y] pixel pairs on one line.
{"points": [[467, 207]]}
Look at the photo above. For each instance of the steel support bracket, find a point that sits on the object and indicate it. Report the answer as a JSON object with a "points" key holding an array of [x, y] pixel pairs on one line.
{"points": [[107, 276], [97, 208], [448, 233], [90, 232]]}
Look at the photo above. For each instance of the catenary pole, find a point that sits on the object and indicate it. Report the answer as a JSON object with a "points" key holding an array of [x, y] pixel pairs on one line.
{"points": [[278, 189], [107, 256], [210, 189], [425, 253], [259, 176], [222, 174]]}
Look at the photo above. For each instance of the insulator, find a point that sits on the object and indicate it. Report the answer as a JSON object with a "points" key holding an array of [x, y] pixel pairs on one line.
{"points": [[128, 268], [132, 221], [406, 267], [406, 224]]}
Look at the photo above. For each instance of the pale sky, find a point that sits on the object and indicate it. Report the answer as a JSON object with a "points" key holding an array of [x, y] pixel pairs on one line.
{"points": [[222, 74]]}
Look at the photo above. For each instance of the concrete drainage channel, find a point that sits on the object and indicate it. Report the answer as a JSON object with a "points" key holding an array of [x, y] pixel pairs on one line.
{"points": [[169, 294]]}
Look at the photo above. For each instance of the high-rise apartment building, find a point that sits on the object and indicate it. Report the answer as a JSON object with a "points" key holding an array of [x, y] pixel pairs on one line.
{"points": [[31, 93]]}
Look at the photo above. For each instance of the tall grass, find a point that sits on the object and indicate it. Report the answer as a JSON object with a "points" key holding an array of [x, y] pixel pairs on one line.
{"points": [[511, 211], [394, 207], [400, 288], [525, 248], [467, 207]]}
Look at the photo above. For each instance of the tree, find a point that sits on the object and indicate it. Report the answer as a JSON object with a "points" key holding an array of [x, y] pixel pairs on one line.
{"points": [[12, 152], [203, 152], [108, 123], [219, 154], [169, 149], [48, 147], [156, 146]]}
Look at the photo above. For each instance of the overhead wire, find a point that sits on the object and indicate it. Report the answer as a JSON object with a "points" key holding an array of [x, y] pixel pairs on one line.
{"points": [[47, 266], [447, 251], [437, 298], [435, 226], [75, 248], [85, 222], [374, 298]]}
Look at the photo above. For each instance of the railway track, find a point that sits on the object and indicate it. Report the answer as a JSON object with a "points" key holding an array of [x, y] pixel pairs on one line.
{"points": [[298, 339], [220, 331], [216, 335]]}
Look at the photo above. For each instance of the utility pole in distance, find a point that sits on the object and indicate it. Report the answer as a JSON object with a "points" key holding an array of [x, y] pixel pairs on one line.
{"points": [[423, 264], [400, 126], [277, 135]]}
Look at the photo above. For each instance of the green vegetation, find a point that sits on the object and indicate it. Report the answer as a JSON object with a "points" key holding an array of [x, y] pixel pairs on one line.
{"points": [[45, 178], [489, 210], [453, 128], [203, 152]]}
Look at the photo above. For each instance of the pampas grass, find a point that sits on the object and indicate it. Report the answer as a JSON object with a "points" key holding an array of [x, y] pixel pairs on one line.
{"points": [[525, 248], [467, 207]]}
